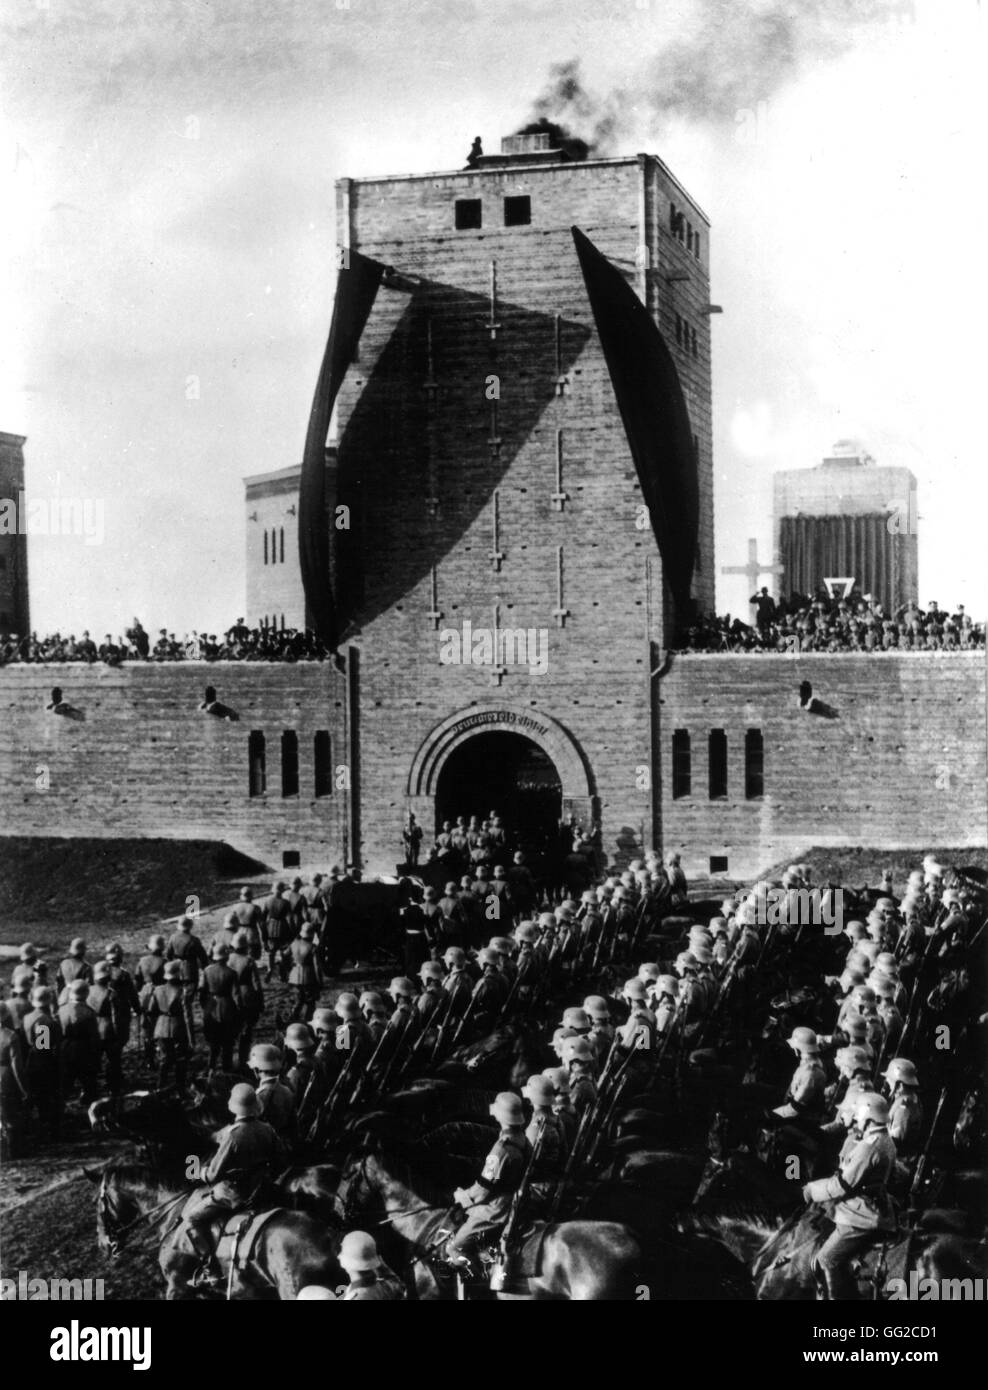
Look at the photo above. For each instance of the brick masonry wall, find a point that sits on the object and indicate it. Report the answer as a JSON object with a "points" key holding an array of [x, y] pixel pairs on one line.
{"points": [[902, 765], [144, 761]]}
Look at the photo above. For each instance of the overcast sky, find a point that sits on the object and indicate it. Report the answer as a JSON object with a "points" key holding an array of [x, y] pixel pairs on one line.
{"points": [[168, 225]]}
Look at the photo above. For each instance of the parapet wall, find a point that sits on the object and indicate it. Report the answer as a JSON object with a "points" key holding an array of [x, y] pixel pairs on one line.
{"points": [[892, 756]]}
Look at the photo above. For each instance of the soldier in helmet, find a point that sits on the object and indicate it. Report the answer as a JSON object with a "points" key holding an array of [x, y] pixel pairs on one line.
{"points": [[306, 1077], [150, 974], [546, 1136], [905, 1107], [249, 993], [859, 1187], [306, 973], [432, 995], [166, 1008], [375, 1014], [80, 1042], [490, 991], [13, 1085], [277, 929], [458, 981], [221, 1018], [562, 1104], [580, 1062], [275, 1100], [186, 950], [246, 1153], [24, 969], [75, 966], [250, 919], [112, 1040], [601, 1034], [488, 1201], [804, 1099], [371, 1281]]}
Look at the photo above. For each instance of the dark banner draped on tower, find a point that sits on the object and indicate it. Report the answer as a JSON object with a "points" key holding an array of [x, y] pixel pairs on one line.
{"points": [[814, 548], [653, 410], [356, 288]]}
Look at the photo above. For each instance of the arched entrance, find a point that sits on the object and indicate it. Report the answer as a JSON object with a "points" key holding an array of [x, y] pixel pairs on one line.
{"points": [[500, 755], [506, 773]]}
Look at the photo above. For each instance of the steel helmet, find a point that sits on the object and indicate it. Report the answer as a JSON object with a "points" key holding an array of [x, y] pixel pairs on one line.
{"points": [[872, 1107], [41, 996], [358, 1251], [596, 1007], [401, 987], [588, 896], [455, 955], [450, 888], [539, 1090], [265, 1058], [429, 894], [29, 952], [855, 1026], [299, 1036], [173, 970], [578, 1050], [370, 999], [313, 1293], [101, 970], [220, 950], [667, 984], [635, 989], [527, 932], [887, 961], [243, 1100], [324, 1020], [114, 949], [647, 971], [487, 957], [78, 947], [852, 1059], [344, 999], [503, 944], [703, 954], [547, 919], [856, 931], [576, 1019], [156, 942], [430, 970], [347, 1008], [863, 994], [804, 1040], [78, 989], [901, 1070], [686, 960], [306, 931], [559, 1077], [506, 1107]]}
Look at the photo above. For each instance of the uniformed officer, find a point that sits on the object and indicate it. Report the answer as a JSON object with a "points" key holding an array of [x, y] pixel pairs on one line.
{"points": [[150, 974], [664, 996], [220, 1008], [490, 991], [488, 1201], [601, 1033], [305, 975], [306, 1076], [905, 1107], [854, 1065], [188, 951], [433, 995], [546, 1136], [251, 919], [804, 1099], [167, 1010], [375, 1014], [80, 1042], [246, 1153], [581, 1064], [457, 982], [101, 1001], [371, 1281], [13, 1086], [277, 928], [859, 1188], [275, 1100], [249, 993], [75, 966], [43, 1039], [562, 1104]]}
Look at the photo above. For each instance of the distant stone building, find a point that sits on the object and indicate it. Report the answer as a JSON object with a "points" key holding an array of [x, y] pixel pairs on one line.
{"points": [[14, 607], [848, 518]]}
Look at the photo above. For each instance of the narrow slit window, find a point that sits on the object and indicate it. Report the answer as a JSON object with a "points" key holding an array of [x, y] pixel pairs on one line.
{"points": [[717, 765], [682, 768], [281, 530], [265, 545], [257, 771], [754, 765], [322, 751], [289, 763], [467, 214]]}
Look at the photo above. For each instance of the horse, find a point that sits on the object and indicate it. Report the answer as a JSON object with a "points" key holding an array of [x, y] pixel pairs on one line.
{"points": [[780, 1254], [291, 1249], [580, 1260]]}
